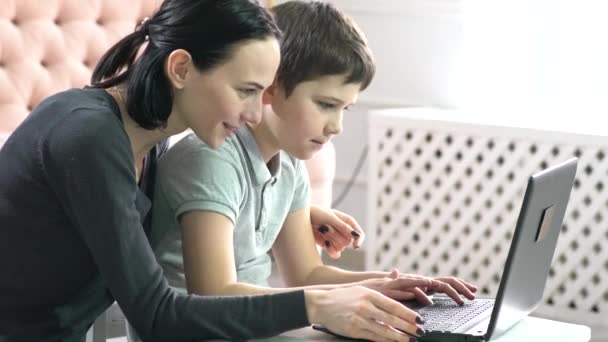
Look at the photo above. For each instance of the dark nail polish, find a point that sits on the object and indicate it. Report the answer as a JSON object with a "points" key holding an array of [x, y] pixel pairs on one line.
{"points": [[419, 320], [355, 234], [420, 331], [327, 244], [323, 229]]}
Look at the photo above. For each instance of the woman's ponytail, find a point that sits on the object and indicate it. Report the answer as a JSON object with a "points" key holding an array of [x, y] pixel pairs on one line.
{"points": [[118, 58]]}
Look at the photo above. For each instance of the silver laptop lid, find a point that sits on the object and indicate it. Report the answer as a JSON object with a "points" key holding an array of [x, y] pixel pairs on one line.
{"points": [[533, 245]]}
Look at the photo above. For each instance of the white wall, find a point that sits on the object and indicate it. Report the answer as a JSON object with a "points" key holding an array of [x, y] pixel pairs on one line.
{"points": [[417, 46], [512, 55]]}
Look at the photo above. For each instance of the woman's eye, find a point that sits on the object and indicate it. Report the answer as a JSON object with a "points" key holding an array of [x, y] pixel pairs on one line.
{"points": [[246, 92]]}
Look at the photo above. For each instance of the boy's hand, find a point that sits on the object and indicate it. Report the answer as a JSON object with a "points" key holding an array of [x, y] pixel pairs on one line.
{"points": [[334, 230], [399, 287], [453, 287]]}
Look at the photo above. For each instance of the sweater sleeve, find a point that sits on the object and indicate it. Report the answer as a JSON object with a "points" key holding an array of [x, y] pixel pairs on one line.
{"points": [[90, 168]]}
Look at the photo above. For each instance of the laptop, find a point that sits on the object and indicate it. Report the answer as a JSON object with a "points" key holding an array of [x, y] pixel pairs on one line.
{"points": [[525, 272]]}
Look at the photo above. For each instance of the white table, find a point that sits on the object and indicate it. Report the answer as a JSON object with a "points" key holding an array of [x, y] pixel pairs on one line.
{"points": [[529, 329]]}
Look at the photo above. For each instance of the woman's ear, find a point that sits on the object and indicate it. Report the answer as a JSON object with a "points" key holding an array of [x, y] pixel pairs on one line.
{"points": [[177, 67], [269, 93]]}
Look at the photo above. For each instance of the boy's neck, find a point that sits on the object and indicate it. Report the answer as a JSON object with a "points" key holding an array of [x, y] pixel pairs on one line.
{"points": [[265, 139]]}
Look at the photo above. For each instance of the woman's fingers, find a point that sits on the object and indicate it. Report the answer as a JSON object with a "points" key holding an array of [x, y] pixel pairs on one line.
{"points": [[361, 313], [325, 244], [333, 252], [408, 326], [376, 331], [342, 232], [333, 238], [402, 315], [352, 227], [319, 238]]}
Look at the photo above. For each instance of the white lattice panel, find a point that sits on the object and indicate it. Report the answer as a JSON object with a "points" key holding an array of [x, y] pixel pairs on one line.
{"points": [[445, 196]]}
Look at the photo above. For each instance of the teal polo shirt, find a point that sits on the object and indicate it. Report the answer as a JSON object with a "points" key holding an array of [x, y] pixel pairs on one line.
{"points": [[234, 181]]}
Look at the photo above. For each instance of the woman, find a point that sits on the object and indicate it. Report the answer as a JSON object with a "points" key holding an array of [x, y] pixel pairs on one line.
{"points": [[75, 189]]}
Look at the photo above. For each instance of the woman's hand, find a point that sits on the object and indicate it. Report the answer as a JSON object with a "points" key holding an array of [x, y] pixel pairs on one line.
{"points": [[334, 230], [399, 287], [361, 313]]}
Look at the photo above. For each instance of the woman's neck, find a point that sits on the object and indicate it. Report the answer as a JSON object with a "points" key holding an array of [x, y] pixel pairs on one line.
{"points": [[142, 140]]}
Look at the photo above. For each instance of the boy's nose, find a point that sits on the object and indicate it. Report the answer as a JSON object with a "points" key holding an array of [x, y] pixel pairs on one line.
{"points": [[333, 127]]}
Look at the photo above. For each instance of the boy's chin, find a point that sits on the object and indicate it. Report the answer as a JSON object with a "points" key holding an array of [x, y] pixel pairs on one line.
{"points": [[304, 155]]}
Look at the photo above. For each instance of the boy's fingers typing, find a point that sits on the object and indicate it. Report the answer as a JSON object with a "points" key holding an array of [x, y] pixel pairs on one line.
{"points": [[442, 287], [459, 286], [421, 297]]}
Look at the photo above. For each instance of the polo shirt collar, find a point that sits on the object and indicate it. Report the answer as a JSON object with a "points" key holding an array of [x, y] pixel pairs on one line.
{"points": [[262, 172]]}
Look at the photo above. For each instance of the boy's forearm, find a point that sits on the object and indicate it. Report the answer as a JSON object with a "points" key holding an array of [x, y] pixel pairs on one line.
{"points": [[321, 278], [244, 289], [331, 275]]}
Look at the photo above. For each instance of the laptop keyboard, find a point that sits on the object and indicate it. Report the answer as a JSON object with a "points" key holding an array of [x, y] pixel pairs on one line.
{"points": [[446, 315]]}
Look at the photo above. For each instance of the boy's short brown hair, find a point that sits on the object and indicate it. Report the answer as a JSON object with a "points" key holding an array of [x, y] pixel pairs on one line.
{"points": [[319, 40]]}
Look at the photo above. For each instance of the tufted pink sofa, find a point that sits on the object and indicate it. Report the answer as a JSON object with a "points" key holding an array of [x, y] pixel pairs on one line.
{"points": [[51, 45]]}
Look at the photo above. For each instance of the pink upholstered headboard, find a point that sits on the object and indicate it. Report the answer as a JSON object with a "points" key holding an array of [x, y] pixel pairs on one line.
{"points": [[51, 45]]}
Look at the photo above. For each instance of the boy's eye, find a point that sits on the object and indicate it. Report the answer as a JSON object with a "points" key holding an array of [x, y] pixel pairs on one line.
{"points": [[326, 105]]}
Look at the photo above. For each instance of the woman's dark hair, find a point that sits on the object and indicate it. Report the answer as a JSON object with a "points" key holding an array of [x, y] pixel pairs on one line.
{"points": [[207, 29]]}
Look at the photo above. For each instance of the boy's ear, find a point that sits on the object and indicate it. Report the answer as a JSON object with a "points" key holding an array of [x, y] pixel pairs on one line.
{"points": [[269, 93]]}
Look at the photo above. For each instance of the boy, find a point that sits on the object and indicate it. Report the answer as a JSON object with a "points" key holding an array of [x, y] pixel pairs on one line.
{"points": [[219, 212]]}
